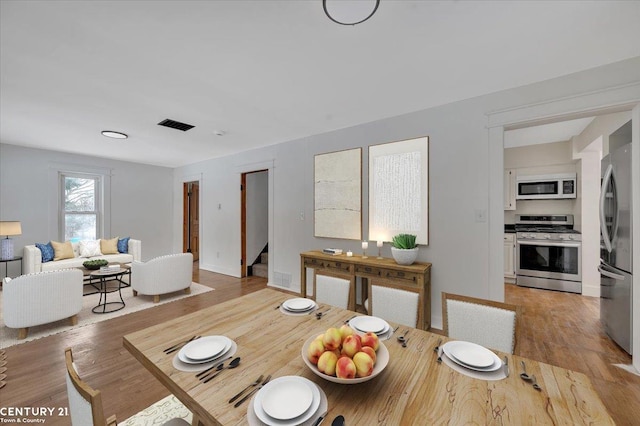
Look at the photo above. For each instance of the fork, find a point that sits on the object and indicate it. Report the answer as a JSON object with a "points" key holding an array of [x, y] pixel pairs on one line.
{"points": [[177, 346], [255, 383], [247, 396]]}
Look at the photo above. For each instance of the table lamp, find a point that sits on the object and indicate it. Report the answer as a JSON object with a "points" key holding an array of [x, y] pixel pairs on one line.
{"points": [[8, 228]]}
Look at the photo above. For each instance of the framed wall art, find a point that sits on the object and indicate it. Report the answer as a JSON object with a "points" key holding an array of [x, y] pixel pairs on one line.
{"points": [[338, 194], [399, 190]]}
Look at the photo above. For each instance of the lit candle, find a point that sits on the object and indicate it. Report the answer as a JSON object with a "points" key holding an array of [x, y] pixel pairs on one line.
{"points": [[349, 253], [365, 245]]}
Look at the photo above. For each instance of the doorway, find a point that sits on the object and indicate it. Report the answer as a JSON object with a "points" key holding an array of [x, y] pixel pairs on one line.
{"points": [[190, 219], [254, 187]]}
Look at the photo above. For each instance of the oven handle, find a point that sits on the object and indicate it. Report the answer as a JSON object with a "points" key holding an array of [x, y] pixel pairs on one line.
{"points": [[610, 274], [548, 243]]}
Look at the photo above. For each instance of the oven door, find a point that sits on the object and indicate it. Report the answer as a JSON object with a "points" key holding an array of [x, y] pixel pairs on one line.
{"points": [[545, 259]]}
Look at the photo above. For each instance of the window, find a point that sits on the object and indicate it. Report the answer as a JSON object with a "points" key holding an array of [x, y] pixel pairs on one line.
{"points": [[81, 206]]}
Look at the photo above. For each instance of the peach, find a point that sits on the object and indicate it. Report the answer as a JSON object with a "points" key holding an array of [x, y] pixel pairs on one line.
{"points": [[351, 345], [327, 363], [371, 339], [332, 339], [363, 363], [369, 351], [345, 331], [315, 350], [345, 368]]}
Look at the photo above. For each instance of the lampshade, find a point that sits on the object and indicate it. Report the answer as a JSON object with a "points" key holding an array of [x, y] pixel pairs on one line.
{"points": [[10, 228], [350, 12]]}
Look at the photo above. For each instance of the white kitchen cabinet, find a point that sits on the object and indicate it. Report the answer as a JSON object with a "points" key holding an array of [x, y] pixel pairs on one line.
{"points": [[510, 257], [509, 189]]}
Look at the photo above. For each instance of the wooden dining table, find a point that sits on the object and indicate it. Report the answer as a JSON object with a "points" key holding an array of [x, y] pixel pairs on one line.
{"points": [[413, 389]]}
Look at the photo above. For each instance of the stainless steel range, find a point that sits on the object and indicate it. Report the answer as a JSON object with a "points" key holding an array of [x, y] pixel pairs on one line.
{"points": [[548, 253]]}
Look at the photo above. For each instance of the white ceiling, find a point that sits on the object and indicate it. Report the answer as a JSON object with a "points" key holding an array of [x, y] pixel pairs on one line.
{"points": [[271, 71], [547, 133]]}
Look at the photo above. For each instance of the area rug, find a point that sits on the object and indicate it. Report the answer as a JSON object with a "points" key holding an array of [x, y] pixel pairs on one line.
{"points": [[9, 336], [159, 413]]}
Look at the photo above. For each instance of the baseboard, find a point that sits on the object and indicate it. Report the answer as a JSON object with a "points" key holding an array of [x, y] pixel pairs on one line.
{"points": [[220, 270]]}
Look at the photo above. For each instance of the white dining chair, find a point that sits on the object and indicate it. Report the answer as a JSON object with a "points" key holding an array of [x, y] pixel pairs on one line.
{"points": [[488, 323], [331, 290], [393, 304], [85, 403]]}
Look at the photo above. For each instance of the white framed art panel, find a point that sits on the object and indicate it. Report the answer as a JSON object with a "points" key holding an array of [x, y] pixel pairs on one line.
{"points": [[338, 194], [399, 190]]}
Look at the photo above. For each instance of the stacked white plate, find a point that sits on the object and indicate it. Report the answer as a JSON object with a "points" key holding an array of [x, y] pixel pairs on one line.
{"points": [[472, 356], [288, 400], [298, 305], [205, 349], [365, 324]]}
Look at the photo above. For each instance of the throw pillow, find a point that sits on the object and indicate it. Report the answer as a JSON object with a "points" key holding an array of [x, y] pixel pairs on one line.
{"points": [[109, 246], [47, 252], [62, 250], [123, 245], [89, 248]]}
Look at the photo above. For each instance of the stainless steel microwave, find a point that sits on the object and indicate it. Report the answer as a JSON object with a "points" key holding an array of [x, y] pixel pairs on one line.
{"points": [[546, 187]]}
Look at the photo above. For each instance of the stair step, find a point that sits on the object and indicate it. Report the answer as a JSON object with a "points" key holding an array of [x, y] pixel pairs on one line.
{"points": [[264, 257], [260, 270]]}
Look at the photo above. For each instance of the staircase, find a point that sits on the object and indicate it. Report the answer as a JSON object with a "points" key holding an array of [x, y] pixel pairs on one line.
{"points": [[261, 267]]}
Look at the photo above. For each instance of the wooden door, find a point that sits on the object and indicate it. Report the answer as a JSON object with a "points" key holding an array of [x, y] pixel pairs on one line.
{"points": [[190, 221]]}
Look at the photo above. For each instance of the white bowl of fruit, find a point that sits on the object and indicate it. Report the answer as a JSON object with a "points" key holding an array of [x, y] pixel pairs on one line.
{"points": [[342, 356]]}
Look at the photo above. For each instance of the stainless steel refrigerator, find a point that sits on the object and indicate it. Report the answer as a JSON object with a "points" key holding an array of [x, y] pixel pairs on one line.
{"points": [[616, 251]]}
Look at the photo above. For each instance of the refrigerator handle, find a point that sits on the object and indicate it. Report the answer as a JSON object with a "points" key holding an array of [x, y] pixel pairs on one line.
{"points": [[603, 194], [610, 274]]}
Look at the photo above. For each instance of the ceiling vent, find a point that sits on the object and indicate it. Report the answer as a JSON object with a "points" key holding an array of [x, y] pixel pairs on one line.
{"points": [[175, 125]]}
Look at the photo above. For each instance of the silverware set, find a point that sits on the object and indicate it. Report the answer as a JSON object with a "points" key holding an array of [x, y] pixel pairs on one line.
{"points": [[506, 366], [219, 369], [320, 314], [402, 339], [256, 383], [256, 389], [179, 345], [529, 378]]}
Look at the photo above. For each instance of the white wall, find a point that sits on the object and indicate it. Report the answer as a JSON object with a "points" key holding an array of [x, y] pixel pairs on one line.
{"points": [[465, 176], [141, 206]]}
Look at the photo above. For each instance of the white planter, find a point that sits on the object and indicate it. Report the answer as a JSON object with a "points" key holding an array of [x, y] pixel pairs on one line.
{"points": [[404, 256]]}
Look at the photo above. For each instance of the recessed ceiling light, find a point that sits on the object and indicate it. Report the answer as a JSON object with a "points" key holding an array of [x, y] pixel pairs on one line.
{"points": [[219, 132], [115, 135]]}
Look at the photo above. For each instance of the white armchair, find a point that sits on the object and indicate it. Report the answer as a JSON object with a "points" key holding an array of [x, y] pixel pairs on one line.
{"points": [[162, 275], [41, 298]]}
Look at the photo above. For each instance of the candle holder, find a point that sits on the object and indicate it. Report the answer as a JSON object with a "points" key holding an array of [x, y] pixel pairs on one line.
{"points": [[365, 246], [379, 249]]}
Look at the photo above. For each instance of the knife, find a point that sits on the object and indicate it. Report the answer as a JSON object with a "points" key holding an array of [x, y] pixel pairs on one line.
{"points": [[506, 366]]}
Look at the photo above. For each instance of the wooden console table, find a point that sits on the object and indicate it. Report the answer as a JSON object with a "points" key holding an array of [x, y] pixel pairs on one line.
{"points": [[384, 272]]}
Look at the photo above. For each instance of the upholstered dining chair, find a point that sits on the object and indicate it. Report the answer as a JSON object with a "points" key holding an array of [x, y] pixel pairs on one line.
{"points": [[393, 304], [488, 323], [85, 403], [331, 290]]}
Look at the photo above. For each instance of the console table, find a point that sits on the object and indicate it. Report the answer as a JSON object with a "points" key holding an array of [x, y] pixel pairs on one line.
{"points": [[383, 272]]}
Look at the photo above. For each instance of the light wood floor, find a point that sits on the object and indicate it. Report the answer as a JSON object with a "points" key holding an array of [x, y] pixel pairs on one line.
{"points": [[558, 328]]}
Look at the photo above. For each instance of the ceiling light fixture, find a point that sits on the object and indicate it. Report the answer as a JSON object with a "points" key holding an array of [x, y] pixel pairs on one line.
{"points": [[114, 135], [219, 132], [350, 12]]}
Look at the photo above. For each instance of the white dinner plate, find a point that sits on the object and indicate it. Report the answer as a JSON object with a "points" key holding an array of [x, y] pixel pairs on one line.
{"points": [[471, 355], [205, 347], [367, 323], [287, 401], [299, 304], [214, 341]]}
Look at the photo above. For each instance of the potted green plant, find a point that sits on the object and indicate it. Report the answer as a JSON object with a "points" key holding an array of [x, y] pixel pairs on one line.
{"points": [[404, 249]]}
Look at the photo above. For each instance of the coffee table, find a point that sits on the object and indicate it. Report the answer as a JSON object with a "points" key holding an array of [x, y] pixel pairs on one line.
{"points": [[94, 281], [106, 277]]}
